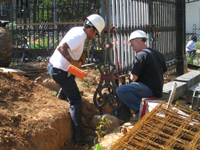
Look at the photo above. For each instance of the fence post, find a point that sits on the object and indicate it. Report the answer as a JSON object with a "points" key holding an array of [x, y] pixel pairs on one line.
{"points": [[24, 10], [181, 66]]}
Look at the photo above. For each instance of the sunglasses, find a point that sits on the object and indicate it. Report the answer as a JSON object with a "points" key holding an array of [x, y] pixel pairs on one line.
{"points": [[97, 33]]}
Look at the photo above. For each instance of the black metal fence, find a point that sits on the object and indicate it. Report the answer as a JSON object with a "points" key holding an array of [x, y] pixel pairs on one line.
{"points": [[38, 26]]}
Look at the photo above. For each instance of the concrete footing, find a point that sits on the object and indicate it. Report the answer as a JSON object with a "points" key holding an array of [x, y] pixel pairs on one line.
{"points": [[190, 91], [181, 89], [191, 78]]}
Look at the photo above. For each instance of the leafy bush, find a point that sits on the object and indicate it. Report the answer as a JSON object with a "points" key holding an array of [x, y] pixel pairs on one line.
{"points": [[17, 32], [193, 60], [43, 44], [198, 44]]}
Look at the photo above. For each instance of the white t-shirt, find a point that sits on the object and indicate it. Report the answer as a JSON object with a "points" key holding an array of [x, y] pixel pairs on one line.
{"points": [[191, 46], [75, 38]]}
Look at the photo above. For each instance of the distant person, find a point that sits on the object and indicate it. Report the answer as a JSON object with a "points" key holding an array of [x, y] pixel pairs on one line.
{"points": [[191, 45], [69, 52], [147, 75]]}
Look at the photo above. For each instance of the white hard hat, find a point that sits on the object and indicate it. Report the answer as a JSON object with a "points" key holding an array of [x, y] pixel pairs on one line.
{"points": [[97, 21], [137, 34]]}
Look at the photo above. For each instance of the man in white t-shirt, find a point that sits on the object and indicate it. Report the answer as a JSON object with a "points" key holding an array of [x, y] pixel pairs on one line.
{"points": [[191, 45], [69, 51]]}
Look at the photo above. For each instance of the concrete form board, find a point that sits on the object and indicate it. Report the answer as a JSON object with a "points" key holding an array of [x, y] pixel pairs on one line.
{"points": [[181, 89], [191, 78]]}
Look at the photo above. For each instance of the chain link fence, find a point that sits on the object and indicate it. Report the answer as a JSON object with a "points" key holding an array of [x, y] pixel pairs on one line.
{"points": [[193, 27]]}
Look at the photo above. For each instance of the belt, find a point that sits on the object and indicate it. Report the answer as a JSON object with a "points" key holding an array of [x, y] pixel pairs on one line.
{"points": [[55, 67], [50, 64]]}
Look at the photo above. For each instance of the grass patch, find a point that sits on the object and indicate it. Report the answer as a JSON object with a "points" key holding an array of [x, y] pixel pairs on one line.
{"points": [[87, 84], [198, 44], [54, 93], [80, 87]]}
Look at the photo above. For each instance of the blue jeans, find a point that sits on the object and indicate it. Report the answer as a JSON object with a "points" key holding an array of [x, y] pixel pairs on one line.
{"points": [[193, 53], [131, 95], [70, 89]]}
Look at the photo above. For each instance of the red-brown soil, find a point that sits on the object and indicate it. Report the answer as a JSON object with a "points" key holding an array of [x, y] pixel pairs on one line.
{"points": [[32, 118]]}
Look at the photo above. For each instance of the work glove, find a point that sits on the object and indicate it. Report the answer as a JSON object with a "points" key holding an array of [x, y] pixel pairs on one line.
{"points": [[76, 63], [82, 58]]}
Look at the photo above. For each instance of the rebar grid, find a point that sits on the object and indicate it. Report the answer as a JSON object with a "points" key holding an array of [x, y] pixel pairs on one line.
{"points": [[176, 128]]}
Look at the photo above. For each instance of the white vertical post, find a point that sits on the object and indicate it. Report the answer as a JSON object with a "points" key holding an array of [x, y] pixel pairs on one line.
{"points": [[132, 24], [121, 35], [129, 26], [171, 97]]}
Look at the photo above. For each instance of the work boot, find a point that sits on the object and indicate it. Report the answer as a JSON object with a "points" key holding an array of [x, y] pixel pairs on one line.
{"points": [[80, 138], [61, 95]]}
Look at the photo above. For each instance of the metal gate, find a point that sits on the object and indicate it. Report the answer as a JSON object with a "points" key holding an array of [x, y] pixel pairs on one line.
{"points": [[161, 19]]}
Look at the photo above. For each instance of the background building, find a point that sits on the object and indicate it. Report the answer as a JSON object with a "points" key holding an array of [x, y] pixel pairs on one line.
{"points": [[193, 18]]}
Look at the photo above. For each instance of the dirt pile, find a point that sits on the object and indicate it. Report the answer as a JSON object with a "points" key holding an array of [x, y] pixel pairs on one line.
{"points": [[31, 117]]}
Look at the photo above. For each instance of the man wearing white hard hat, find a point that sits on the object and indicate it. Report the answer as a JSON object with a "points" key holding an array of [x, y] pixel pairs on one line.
{"points": [[70, 51], [147, 75]]}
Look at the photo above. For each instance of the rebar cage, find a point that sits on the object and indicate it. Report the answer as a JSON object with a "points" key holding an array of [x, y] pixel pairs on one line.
{"points": [[163, 129]]}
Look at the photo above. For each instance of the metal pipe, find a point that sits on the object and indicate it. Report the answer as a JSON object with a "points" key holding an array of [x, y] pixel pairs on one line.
{"points": [[103, 7], [108, 12], [147, 21], [121, 41], [118, 35], [134, 13], [114, 24], [132, 26], [129, 27], [139, 14], [108, 3], [125, 35]]}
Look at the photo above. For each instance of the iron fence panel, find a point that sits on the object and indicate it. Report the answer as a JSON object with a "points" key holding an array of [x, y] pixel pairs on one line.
{"points": [[38, 27]]}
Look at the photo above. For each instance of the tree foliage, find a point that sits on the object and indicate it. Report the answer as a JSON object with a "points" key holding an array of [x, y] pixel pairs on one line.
{"points": [[64, 10]]}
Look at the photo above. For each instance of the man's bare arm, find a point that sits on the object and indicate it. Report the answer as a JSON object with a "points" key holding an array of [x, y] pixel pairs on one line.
{"points": [[166, 73], [64, 50], [133, 77]]}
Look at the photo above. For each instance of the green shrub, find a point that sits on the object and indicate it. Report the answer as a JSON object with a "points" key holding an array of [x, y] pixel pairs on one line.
{"points": [[43, 44], [198, 44], [17, 32]]}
